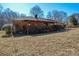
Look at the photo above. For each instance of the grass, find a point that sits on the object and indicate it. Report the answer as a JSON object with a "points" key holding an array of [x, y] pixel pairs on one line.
{"points": [[52, 44]]}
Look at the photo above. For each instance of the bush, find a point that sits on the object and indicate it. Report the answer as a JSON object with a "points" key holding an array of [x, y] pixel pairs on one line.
{"points": [[73, 21], [57, 27], [8, 30], [4, 36]]}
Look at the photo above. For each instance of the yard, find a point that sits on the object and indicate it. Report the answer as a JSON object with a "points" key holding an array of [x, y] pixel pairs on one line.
{"points": [[52, 44]]}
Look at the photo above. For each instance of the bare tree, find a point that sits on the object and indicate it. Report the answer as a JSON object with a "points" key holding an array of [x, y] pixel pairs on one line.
{"points": [[62, 16], [1, 17], [57, 15], [9, 14], [36, 12], [49, 15], [22, 15]]}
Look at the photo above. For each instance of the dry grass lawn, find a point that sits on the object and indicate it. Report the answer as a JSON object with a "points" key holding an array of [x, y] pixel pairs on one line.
{"points": [[54, 44]]}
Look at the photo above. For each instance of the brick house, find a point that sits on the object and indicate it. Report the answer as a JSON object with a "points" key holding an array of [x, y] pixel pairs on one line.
{"points": [[32, 25]]}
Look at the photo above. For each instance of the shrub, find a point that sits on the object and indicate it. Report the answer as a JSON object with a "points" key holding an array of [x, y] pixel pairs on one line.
{"points": [[73, 21], [8, 30]]}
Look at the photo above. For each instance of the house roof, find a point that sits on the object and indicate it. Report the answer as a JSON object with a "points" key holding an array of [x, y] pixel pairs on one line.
{"points": [[34, 19]]}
